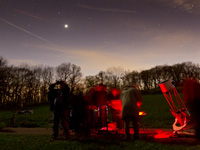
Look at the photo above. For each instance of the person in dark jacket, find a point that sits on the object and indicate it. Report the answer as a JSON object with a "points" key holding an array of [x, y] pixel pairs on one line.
{"points": [[59, 103], [191, 93], [131, 101]]}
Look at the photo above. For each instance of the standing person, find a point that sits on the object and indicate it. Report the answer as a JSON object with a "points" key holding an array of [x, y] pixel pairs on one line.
{"points": [[116, 107], [131, 101], [59, 103], [100, 95], [99, 99], [191, 93], [77, 110]]}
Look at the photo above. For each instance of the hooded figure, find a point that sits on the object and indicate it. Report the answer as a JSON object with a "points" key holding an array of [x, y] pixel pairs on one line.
{"points": [[131, 101]]}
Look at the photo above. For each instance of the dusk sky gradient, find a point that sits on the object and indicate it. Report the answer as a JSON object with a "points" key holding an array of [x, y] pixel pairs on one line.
{"points": [[133, 34]]}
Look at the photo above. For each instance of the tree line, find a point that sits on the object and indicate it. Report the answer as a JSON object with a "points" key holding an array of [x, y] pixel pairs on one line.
{"points": [[29, 85]]}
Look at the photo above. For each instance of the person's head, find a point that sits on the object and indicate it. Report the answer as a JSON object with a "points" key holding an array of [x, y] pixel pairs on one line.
{"points": [[132, 84], [115, 91]]}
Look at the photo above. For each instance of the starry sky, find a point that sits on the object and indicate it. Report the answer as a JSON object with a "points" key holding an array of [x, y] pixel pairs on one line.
{"points": [[132, 34]]}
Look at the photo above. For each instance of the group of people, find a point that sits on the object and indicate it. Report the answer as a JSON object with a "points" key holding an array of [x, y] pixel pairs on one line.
{"points": [[82, 113]]}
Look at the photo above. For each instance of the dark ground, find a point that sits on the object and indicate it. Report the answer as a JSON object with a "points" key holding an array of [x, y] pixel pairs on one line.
{"points": [[186, 137]]}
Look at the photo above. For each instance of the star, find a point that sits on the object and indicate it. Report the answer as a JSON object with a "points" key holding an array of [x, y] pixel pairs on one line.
{"points": [[66, 26]]}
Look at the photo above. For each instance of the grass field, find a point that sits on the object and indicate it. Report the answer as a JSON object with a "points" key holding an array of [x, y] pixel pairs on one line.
{"points": [[39, 118], [158, 112], [158, 116]]}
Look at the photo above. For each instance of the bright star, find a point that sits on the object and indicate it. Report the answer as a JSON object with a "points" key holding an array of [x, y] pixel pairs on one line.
{"points": [[66, 26]]}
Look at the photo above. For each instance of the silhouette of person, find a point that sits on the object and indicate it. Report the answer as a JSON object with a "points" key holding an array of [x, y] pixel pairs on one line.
{"points": [[116, 108], [131, 101], [191, 93], [99, 99], [59, 103]]}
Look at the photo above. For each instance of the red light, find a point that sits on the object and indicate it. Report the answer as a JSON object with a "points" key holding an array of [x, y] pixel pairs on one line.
{"points": [[142, 113], [160, 134], [116, 104], [115, 92], [139, 104]]}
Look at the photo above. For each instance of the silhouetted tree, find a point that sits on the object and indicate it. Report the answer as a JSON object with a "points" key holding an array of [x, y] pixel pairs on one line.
{"points": [[63, 71], [145, 78], [90, 81], [75, 75], [115, 75], [47, 80], [102, 77], [131, 77], [3, 78], [29, 85]]}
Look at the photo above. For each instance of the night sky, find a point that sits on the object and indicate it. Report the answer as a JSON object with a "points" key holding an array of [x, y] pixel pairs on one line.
{"points": [[133, 34]]}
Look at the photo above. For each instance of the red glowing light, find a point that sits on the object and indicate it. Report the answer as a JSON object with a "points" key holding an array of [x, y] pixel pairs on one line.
{"points": [[116, 104], [139, 104], [142, 113], [160, 134], [115, 92]]}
